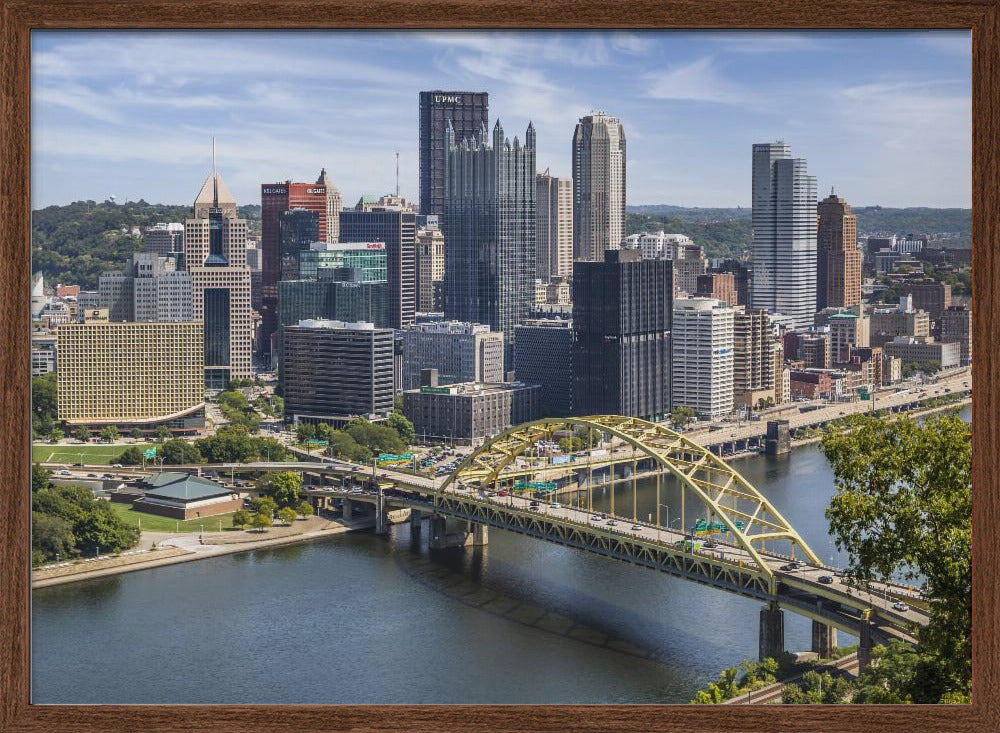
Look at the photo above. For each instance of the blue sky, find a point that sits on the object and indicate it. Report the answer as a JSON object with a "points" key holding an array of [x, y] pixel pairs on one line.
{"points": [[883, 117]]}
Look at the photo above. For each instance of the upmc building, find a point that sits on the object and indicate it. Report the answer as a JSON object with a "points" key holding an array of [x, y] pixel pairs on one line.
{"points": [[468, 111], [275, 199]]}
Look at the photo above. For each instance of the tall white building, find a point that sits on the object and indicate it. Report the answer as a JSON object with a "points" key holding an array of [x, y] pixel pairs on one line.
{"points": [[334, 203], [702, 356], [554, 226], [215, 253], [461, 352], [598, 186], [784, 234]]}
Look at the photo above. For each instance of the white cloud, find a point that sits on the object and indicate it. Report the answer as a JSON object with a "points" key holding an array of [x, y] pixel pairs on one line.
{"points": [[695, 81]]}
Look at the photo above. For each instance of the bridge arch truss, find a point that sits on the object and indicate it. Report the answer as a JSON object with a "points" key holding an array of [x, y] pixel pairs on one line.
{"points": [[727, 496]]}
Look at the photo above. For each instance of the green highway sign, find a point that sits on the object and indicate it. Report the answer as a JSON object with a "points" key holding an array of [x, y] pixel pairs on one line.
{"points": [[151, 453]]}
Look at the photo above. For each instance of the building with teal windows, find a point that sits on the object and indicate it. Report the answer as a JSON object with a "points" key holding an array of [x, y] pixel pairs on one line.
{"points": [[368, 257]]}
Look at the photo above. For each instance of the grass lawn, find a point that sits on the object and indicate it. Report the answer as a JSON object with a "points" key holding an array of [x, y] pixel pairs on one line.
{"points": [[92, 454], [156, 523]]}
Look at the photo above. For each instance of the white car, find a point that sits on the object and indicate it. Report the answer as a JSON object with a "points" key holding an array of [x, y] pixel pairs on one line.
{"points": [[900, 606], [556, 505]]}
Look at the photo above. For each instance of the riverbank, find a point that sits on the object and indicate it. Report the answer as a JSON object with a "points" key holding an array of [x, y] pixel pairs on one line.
{"points": [[172, 549]]}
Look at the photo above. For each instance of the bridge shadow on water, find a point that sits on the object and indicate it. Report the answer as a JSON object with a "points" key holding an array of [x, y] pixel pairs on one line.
{"points": [[510, 591]]}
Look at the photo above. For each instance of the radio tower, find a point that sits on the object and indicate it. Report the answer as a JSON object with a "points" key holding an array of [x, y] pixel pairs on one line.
{"points": [[397, 174]]}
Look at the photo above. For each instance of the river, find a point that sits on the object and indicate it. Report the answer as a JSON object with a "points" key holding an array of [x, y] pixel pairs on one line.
{"points": [[362, 619]]}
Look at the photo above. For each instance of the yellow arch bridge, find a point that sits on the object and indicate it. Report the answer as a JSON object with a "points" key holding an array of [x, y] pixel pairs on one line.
{"points": [[755, 552]]}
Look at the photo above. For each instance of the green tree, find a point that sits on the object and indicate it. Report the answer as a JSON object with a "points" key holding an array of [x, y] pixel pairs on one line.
{"points": [[131, 456], [241, 518], [287, 514], [136, 434], [342, 445], [40, 477], [305, 509], [404, 428], [282, 486], [376, 438], [264, 505], [56, 434], [725, 688], [570, 444], [110, 434], [82, 434], [52, 537], [177, 452], [44, 401], [305, 431], [96, 527], [261, 522], [230, 444], [904, 507], [681, 416], [162, 433]]}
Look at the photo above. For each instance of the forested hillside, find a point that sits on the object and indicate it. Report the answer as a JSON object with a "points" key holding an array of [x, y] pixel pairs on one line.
{"points": [[76, 243]]}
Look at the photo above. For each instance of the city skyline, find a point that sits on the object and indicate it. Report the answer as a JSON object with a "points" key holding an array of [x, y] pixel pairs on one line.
{"points": [[898, 106]]}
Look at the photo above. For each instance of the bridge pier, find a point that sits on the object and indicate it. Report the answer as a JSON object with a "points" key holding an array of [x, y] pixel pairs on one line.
{"points": [[381, 515], [468, 533], [824, 639], [772, 631], [348, 510], [416, 524], [778, 438], [865, 643]]}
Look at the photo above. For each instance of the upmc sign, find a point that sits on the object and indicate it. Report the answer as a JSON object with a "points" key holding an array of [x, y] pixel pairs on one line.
{"points": [[447, 99]]}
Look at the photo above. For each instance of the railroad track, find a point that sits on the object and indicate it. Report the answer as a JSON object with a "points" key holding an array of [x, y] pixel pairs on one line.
{"points": [[772, 693]]}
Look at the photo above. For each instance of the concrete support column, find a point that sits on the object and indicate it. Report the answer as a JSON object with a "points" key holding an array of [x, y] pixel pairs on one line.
{"points": [[865, 644], [480, 534], [772, 631], [438, 536], [824, 639], [381, 515], [348, 510], [416, 524]]}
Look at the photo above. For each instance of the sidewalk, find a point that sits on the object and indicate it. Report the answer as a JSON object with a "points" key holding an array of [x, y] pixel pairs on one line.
{"points": [[187, 547]]}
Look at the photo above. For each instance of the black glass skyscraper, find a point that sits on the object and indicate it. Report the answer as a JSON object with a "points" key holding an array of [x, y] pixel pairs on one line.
{"points": [[299, 228], [489, 230], [621, 351], [467, 112]]}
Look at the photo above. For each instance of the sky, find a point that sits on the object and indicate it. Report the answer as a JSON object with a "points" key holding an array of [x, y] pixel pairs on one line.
{"points": [[883, 117]]}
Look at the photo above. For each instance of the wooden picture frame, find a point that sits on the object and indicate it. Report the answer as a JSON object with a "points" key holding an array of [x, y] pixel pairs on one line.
{"points": [[20, 17]]}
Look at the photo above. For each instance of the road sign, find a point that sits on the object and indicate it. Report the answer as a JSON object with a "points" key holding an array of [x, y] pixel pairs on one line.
{"points": [[150, 453]]}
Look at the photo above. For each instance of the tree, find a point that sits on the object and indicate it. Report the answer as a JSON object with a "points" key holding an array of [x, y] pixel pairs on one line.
{"points": [[261, 522], [287, 514], [131, 456], [904, 507], [44, 402], [110, 434], [283, 487], [162, 433], [376, 438], [52, 536], [241, 518], [177, 452], [230, 444], [136, 434], [264, 505], [305, 509], [95, 525], [681, 416], [82, 434], [305, 431], [404, 428], [56, 434], [40, 477], [342, 445], [570, 444]]}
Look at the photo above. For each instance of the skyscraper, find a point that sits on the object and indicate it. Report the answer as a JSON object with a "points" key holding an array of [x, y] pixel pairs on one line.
{"points": [[703, 356], [489, 230], [621, 347], [298, 229], [467, 112], [838, 259], [334, 203], [398, 231], [275, 199], [215, 253], [598, 186], [784, 234], [554, 228]]}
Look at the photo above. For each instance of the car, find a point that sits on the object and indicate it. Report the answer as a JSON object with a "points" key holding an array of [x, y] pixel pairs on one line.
{"points": [[597, 516], [91, 475], [708, 545], [556, 505], [790, 567], [825, 579], [636, 526], [64, 472], [502, 492], [533, 504], [900, 606], [116, 465], [612, 523]]}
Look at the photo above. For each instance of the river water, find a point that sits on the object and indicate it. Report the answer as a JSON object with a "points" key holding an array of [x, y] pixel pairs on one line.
{"points": [[361, 619]]}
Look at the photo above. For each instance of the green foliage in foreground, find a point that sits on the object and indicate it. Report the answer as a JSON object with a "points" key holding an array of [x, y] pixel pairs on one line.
{"points": [[740, 680], [903, 508], [68, 520]]}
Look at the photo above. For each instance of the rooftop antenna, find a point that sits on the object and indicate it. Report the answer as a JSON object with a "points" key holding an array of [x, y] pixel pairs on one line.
{"points": [[215, 181], [397, 174]]}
